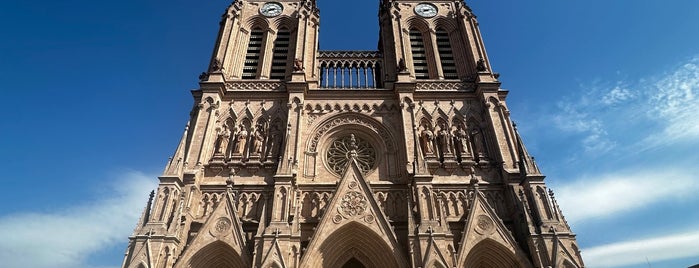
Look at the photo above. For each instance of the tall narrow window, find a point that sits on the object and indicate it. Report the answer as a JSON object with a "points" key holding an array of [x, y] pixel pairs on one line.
{"points": [[417, 47], [446, 55], [252, 57], [280, 55]]}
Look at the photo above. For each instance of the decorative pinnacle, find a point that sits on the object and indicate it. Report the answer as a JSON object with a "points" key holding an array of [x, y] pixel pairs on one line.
{"points": [[353, 147]]}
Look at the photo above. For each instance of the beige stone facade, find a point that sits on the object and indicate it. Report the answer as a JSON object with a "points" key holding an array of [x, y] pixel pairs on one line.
{"points": [[402, 157]]}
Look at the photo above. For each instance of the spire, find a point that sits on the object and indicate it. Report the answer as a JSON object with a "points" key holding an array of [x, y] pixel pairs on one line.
{"points": [[526, 162], [175, 165], [146, 212]]}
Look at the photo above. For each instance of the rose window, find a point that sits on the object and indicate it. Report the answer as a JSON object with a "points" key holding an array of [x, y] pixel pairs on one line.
{"points": [[343, 149]]}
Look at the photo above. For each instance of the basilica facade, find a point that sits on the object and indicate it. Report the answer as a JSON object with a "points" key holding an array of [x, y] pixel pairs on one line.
{"points": [[401, 157]]}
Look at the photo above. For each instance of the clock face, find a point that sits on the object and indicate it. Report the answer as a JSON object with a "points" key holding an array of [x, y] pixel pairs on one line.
{"points": [[426, 10], [271, 9]]}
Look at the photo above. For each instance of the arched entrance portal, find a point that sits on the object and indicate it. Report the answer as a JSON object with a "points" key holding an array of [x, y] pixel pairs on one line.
{"points": [[216, 255], [353, 263], [490, 254], [353, 246]]}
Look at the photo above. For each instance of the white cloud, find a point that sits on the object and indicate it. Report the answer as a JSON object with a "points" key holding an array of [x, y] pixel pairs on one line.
{"points": [[617, 95], [67, 237], [606, 195], [674, 101], [652, 250], [652, 112]]}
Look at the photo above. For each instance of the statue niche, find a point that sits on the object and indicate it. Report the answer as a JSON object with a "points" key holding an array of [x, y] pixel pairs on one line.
{"points": [[241, 140], [443, 140], [461, 142], [222, 141], [426, 138]]}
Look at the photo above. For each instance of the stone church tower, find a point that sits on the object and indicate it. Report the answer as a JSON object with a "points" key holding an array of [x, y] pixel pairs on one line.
{"points": [[401, 157]]}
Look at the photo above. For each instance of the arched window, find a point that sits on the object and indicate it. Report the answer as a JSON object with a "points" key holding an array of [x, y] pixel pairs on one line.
{"points": [[446, 56], [417, 47], [252, 57], [280, 55]]}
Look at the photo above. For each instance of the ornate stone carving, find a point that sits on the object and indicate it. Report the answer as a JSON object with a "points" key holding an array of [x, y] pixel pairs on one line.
{"points": [[224, 137], [353, 204], [220, 227], [256, 85], [426, 139], [443, 139], [444, 86], [351, 119], [343, 149], [241, 140], [461, 140], [484, 225], [257, 139]]}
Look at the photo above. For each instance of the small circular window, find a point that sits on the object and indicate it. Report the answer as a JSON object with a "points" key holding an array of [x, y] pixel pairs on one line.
{"points": [[342, 149]]}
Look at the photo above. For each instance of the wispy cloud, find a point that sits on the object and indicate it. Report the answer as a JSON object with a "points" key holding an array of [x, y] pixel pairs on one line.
{"points": [[66, 238], [604, 195], [675, 101], [673, 246], [647, 113]]}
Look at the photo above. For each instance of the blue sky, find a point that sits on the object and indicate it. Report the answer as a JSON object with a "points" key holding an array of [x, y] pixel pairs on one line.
{"points": [[97, 96]]}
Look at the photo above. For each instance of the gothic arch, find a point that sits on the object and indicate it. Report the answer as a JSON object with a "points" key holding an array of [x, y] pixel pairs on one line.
{"points": [[418, 23], [347, 122], [283, 22], [446, 24], [490, 254], [215, 255], [353, 240], [257, 22]]}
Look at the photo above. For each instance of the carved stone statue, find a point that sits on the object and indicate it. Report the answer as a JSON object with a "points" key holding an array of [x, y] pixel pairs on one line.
{"points": [[401, 66], [224, 137], [461, 140], [426, 139], [443, 139], [478, 142], [274, 141], [241, 140], [216, 65], [298, 65], [480, 65], [258, 137]]}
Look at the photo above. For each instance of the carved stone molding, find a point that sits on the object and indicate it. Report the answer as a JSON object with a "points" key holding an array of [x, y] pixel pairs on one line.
{"points": [[351, 119], [256, 86], [444, 86]]}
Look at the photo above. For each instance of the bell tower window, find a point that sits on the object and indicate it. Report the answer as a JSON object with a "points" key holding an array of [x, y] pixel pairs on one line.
{"points": [[417, 47], [280, 55], [446, 55], [252, 57]]}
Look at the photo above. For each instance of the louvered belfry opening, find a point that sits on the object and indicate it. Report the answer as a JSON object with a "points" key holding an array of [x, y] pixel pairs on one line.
{"points": [[252, 57], [280, 55], [446, 56], [417, 47]]}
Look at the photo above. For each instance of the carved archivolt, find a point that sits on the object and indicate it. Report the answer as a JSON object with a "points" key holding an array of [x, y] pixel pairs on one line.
{"points": [[351, 119]]}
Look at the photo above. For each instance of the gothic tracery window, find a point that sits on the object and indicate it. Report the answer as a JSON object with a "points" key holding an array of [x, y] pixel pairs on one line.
{"points": [[341, 150]]}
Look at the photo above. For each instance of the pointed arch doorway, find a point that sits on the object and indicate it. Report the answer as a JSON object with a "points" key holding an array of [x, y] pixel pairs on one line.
{"points": [[353, 245], [353, 263]]}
